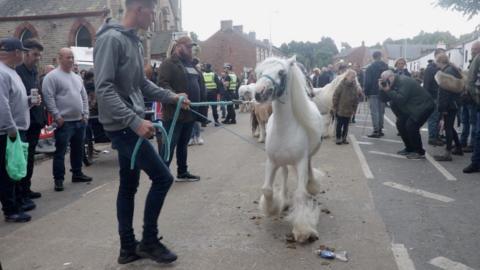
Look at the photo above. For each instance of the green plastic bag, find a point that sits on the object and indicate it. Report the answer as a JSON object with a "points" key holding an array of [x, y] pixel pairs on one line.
{"points": [[16, 158]]}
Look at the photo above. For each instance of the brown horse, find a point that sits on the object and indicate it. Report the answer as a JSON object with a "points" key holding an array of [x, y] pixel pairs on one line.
{"points": [[259, 117]]}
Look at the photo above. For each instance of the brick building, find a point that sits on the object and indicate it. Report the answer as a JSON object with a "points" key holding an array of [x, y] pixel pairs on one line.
{"points": [[69, 23], [231, 45]]}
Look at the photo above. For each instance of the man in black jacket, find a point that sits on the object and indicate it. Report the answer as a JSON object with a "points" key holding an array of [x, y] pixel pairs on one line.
{"points": [[414, 107], [431, 86], [29, 75], [377, 106]]}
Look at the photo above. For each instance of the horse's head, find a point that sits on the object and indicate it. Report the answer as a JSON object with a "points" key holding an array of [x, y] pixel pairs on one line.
{"points": [[272, 78]]}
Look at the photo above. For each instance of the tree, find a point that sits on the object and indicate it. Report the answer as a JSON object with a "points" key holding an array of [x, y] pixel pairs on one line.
{"points": [[469, 8], [345, 46], [312, 54]]}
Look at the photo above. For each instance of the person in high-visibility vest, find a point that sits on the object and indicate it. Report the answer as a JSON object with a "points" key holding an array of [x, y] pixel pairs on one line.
{"points": [[214, 87], [230, 82]]}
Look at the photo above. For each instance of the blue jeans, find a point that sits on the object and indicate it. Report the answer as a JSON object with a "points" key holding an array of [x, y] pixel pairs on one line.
{"points": [[181, 136], [469, 120], [433, 122], [196, 130], [73, 133], [377, 111], [476, 145], [147, 160]]}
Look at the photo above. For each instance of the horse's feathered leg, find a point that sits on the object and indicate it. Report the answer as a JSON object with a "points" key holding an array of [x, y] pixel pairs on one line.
{"points": [[268, 204], [313, 186], [284, 189], [305, 212]]}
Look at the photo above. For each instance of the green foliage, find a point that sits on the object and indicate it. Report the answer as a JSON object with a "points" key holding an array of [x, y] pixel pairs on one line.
{"points": [[312, 54], [469, 8], [426, 38]]}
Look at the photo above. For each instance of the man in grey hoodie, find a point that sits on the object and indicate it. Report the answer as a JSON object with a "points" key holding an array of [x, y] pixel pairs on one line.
{"points": [[120, 85]]}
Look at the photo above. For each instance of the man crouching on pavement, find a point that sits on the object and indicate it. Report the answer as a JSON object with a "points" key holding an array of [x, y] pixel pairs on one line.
{"points": [[414, 105], [120, 86]]}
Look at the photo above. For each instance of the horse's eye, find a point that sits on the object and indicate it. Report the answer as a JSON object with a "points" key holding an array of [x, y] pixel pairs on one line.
{"points": [[281, 72]]}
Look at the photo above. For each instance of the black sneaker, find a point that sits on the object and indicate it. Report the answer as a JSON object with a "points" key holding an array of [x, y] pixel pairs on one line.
{"points": [[381, 134], [27, 205], [34, 195], [18, 218], [457, 151], [233, 122], [128, 255], [226, 122], [415, 156], [403, 152], [471, 168], [467, 149], [81, 178], [217, 124], [156, 252], [187, 177], [58, 185], [374, 135]]}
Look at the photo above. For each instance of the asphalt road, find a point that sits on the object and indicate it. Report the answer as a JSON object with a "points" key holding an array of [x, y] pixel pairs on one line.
{"points": [[384, 219]]}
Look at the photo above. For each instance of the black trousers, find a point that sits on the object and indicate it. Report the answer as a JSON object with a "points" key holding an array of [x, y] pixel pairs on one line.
{"points": [[32, 137], [450, 132], [342, 127], [409, 130], [229, 96], [212, 97], [7, 185]]}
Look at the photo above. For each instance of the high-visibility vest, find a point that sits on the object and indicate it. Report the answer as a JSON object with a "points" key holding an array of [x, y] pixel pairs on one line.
{"points": [[233, 82], [209, 78]]}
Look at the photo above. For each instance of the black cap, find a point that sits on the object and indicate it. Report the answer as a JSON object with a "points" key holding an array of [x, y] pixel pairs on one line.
{"points": [[11, 44]]}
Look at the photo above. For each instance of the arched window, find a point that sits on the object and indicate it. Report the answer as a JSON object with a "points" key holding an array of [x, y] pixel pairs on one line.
{"points": [[83, 37], [26, 34]]}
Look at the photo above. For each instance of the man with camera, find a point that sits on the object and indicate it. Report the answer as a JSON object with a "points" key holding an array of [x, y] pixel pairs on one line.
{"points": [[414, 107]]}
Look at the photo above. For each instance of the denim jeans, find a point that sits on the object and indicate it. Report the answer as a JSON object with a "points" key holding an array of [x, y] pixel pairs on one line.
{"points": [[196, 130], [147, 160], [433, 122], [181, 136], [476, 145], [469, 120], [377, 111], [73, 133], [8, 198], [450, 132]]}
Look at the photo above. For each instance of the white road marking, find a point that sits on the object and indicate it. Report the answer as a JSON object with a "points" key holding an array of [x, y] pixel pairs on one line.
{"points": [[358, 126], [389, 121], [440, 168], [363, 161], [444, 263], [383, 140], [365, 143], [402, 258], [93, 190], [420, 192], [387, 154]]}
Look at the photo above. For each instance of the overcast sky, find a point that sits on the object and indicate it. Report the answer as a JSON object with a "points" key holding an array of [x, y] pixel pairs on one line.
{"points": [[351, 21]]}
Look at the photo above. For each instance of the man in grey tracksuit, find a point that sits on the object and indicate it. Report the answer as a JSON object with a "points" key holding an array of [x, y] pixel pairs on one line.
{"points": [[121, 85]]}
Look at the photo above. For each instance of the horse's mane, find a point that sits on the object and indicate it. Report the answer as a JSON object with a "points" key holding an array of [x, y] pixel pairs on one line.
{"points": [[304, 110]]}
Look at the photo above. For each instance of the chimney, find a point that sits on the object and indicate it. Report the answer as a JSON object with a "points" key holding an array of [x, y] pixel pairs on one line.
{"points": [[226, 25], [252, 36], [363, 43], [238, 28]]}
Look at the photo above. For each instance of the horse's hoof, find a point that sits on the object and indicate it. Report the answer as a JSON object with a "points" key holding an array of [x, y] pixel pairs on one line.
{"points": [[306, 237]]}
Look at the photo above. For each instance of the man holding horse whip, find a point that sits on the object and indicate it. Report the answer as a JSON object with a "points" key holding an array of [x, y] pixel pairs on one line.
{"points": [[120, 86]]}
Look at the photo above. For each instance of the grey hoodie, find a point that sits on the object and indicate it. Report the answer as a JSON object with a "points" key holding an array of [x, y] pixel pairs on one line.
{"points": [[120, 81]]}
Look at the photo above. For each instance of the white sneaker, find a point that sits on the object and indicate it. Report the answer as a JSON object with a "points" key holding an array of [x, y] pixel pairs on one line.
{"points": [[191, 142], [200, 141]]}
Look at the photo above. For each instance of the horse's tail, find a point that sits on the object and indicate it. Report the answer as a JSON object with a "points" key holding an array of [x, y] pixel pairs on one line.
{"points": [[254, 120]]}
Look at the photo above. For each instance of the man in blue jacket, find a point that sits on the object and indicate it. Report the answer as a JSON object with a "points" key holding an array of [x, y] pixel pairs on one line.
{"points": [[377, 106]]}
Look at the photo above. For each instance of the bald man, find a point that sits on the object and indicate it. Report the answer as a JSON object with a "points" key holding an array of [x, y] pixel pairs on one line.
{"points": [[67, 101], [473, 88]]}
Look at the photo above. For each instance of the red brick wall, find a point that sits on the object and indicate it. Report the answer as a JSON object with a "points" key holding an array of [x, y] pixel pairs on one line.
{"points": [[228, 47]]}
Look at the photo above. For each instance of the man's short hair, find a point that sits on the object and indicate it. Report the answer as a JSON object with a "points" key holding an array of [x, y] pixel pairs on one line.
{"points": [[145, 2], [439, 51], [377, 55], [33, 44]]}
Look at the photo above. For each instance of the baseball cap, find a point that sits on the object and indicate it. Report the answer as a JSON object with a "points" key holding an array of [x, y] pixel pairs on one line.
{"points": [[11, 44]]}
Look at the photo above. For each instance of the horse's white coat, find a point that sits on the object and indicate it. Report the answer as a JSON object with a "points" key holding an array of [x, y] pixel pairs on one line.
{"points": [[294, 135]]}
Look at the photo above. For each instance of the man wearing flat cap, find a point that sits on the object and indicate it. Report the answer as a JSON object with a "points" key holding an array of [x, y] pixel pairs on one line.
{"points": [[179, 74], [14, 119]]}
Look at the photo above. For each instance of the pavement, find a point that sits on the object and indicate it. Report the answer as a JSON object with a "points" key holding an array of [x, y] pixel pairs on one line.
{"points": [[215, 223]]}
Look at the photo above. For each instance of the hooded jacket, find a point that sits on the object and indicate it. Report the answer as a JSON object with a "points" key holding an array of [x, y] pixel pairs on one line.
{"points": [[372, 74], [120, 81]]}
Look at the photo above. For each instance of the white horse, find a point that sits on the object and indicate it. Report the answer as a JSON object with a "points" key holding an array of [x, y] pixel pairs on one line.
{"points": [[246, 93], [324, 101], [294, 135]]}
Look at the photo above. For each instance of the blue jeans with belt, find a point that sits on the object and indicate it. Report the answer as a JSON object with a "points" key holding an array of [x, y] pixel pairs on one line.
{"points": [[469, 121], [71, 133], [150, 162], [476, 144]]}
